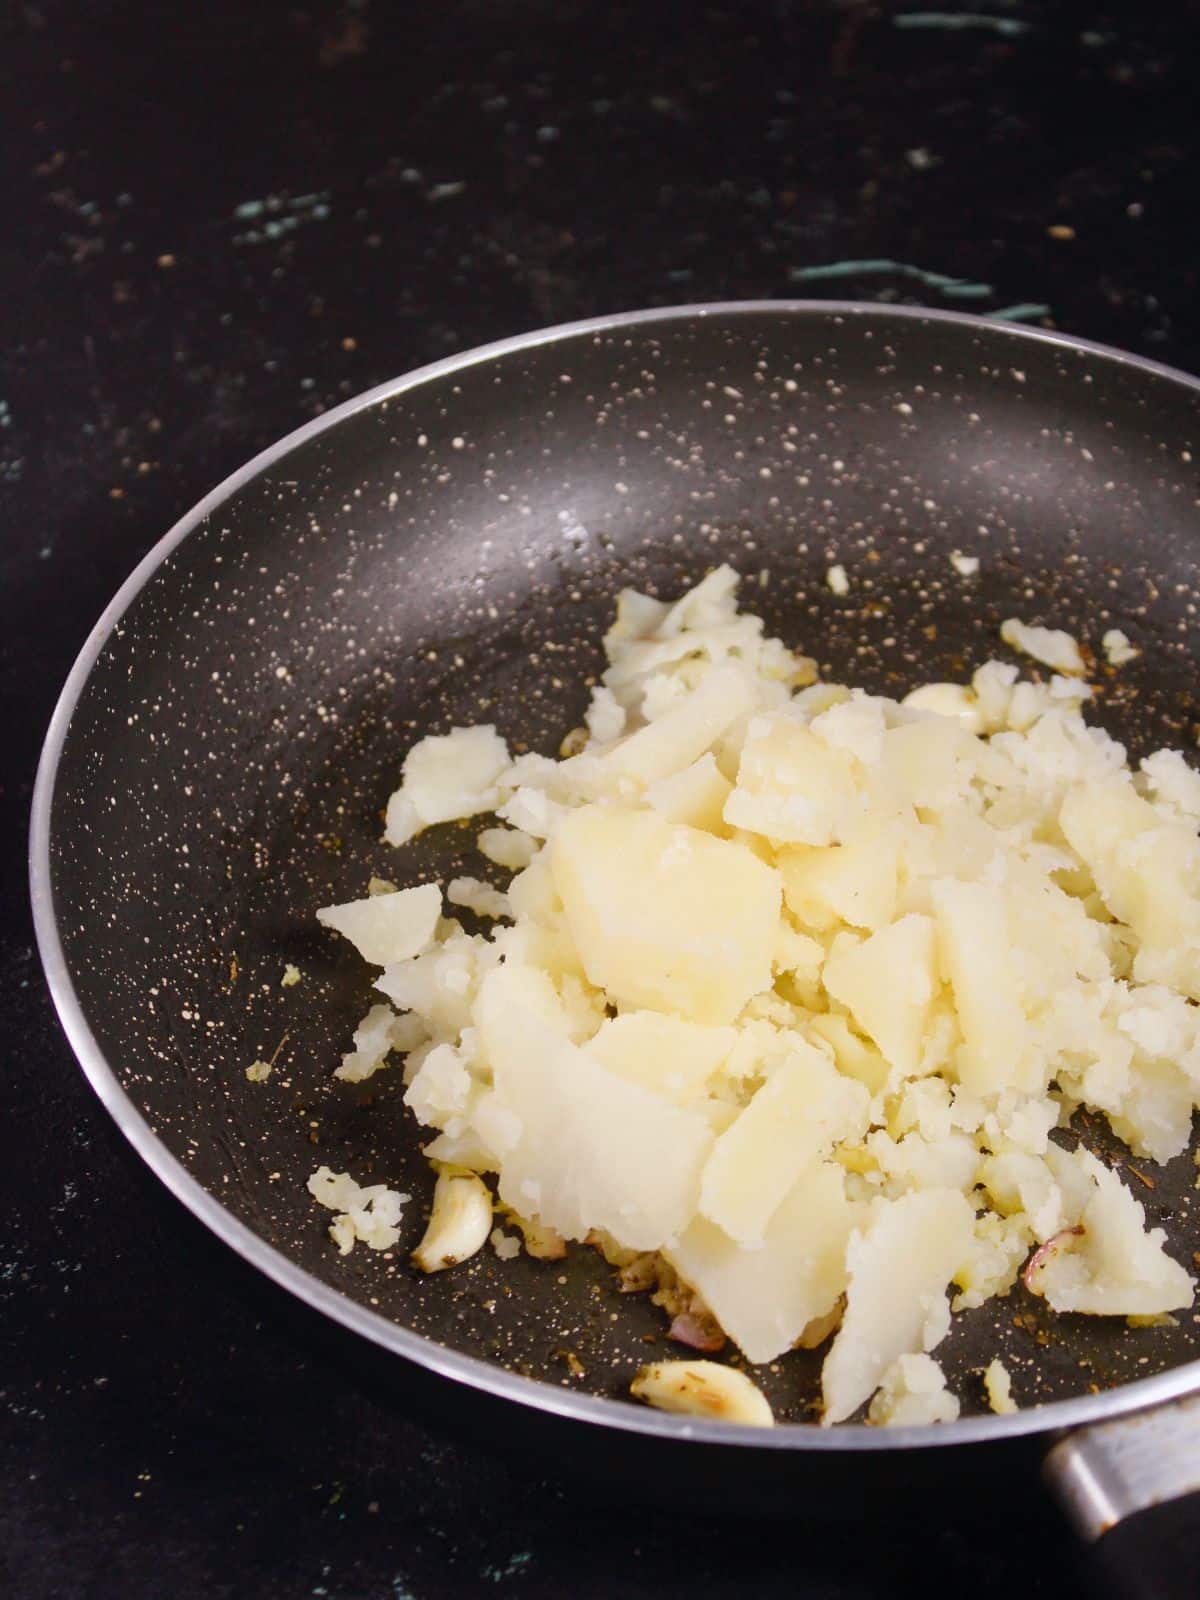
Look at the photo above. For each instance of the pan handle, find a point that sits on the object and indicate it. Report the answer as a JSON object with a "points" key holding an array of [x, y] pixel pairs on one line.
{"points": [[1131, 1490]]}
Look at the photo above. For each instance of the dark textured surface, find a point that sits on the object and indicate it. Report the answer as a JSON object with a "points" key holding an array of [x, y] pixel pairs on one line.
{"points": [[221, 223]]}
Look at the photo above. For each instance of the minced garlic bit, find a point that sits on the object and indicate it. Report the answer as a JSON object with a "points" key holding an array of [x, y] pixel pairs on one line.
{"points": [[792, 987], [837, 581], [1117, 649], [997, 1386], [965, 566], [291, 977], [259, 1071]]}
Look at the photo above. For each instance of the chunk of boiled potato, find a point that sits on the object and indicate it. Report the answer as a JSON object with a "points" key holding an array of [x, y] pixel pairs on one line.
{"points": [[388, 927], [791, 786], [765, 1296], [794, 1120], [679, 737], [1155, 1117], [888, 984], [854, 882], [593, 1150], [696, 795], [665, 916], [975, 945], [924, 763], [898, 1269], [854, 1056], [446, 776], [666, 1055], [1114, 1266], [1147, 872], [912, 1394]]}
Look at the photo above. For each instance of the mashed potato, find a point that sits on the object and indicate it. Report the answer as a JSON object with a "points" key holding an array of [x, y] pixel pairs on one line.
{"points": [[791, 986]]}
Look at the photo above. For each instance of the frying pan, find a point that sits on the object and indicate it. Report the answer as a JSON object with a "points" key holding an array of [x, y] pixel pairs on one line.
{"points": [[446, 549]]}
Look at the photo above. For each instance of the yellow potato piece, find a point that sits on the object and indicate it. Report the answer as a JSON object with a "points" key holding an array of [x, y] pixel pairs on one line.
{"points": [[803, 1110], [664, 916], [666, 1055], [975, 948], [764, 1297], [591, 1150], [888, 983], [791, 786], [898, 1267]]}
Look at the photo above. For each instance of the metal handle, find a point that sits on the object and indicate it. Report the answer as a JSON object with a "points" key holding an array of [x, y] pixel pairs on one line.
{"points": [[1131, 1490]]}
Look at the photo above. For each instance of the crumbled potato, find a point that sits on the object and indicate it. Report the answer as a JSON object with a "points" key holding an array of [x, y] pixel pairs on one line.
{"points": [[997, 1385], [789, 995]]}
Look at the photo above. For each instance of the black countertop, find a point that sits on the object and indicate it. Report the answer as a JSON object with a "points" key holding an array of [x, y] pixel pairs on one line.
{"points": [[220, 221]]}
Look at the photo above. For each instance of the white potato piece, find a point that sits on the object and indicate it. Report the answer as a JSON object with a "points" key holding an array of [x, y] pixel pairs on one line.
{"points": [[765, 1296], [664, 916], [913, 1394], [594, 1151], [888, 984], [791, 786], [1051, 646], [997, 1385], [377, 1035], [445, 777], [794, 1120], [854, 1056], [1147, 872], [975, 946], [899, 1267], [1172, 783], [680, 736], [507, 847], [667, 1055], [1112, 1266], [855, 725], [388, 927], [924, 763], [696, 795], [482, 898], [441, 1086], [854, 882], [440, 983]]}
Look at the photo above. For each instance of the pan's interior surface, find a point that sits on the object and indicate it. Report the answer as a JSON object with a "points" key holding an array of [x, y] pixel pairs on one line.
{"points": [[449, 553]]}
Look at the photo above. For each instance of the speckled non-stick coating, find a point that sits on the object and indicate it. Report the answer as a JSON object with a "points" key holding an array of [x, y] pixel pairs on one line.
{"points": [[451, 554]]}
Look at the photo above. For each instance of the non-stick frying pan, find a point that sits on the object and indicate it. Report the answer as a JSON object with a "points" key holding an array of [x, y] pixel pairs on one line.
{"points": [[447, 549]]}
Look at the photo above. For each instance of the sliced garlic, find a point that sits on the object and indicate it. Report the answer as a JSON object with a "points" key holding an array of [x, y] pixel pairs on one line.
{"points": [[459, 1223], [703, 1389]]}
